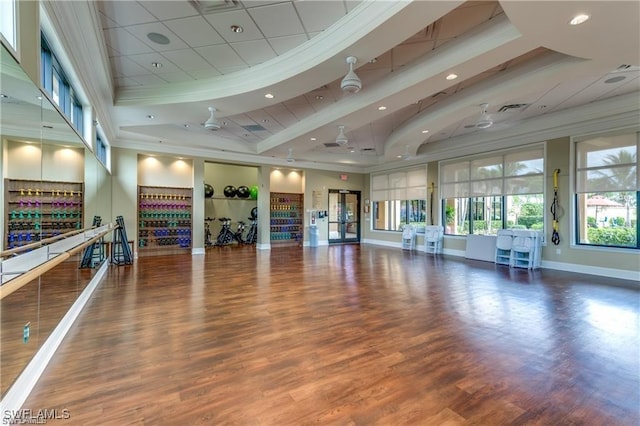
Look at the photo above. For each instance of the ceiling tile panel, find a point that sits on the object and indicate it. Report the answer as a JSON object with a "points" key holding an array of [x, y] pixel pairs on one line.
{"points": [[142, 31], [204, 73], [124, 42], [195, 31], [175, 77], [106, 22], [222, 23], [221, 56], [148, 79], [282, 45], [126, 12], [125, 82], [282, 114], [125, 67], [146, 60], [254, 52], [320, 15], [187, 59], [169, 9], [277, 20]]}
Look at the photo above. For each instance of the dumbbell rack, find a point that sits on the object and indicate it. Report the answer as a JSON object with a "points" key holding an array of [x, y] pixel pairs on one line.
{"points": [[35, 210], [164, 219]]}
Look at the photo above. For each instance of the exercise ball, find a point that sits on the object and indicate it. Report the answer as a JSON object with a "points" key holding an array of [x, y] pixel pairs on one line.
{"points": [[254, 213], [230, 191], [208, 191], [243, 192], [253, 192]]}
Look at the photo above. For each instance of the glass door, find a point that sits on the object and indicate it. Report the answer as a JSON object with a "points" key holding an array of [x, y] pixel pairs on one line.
{"points": [[344, 216]]}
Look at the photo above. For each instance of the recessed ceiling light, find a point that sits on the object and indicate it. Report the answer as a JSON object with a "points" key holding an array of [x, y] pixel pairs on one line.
{"points": [[265, 121], [237, 28], [425, 131], [319, 97], [268, 96], [3, 96], [382, 108], [373, 61], [313, 139], [352, 150], [452, 76], [158, 38], [579, 19], [151, 117], [398, 156], [186, 125], [156, 64]]}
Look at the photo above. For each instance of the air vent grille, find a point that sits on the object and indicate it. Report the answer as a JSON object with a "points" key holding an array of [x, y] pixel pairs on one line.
{"points": [[331, 144], [512, 107], [212, 6], [254, 128]]}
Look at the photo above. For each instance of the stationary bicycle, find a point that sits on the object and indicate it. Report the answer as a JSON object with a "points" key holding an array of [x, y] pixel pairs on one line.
{"points": [[252, 234], [238, 235], [226, 235], [207, 232]]}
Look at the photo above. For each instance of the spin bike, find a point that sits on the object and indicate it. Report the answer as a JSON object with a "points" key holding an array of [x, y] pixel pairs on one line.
{"points": [[207, 231], [226, 235], [252, 234]]}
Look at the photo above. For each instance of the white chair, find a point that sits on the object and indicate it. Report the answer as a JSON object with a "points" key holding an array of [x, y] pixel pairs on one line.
{"points": [[504, 241], [433, 236], [408, 238], [524, 249]]}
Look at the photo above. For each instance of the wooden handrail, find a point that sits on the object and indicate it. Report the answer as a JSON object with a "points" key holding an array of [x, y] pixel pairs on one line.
{"points": [[37, 244], [19, 281]]}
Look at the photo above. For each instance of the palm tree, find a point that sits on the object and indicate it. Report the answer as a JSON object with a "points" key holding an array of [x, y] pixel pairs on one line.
{"points": [[621, 175]]}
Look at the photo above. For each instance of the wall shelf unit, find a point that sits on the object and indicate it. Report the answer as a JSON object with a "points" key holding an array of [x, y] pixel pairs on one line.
{"points": [[41, 209], [286, 220], [164, 219]]}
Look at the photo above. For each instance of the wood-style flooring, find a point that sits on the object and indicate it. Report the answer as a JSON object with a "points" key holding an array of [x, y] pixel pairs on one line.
{"points": [[347, 335]]}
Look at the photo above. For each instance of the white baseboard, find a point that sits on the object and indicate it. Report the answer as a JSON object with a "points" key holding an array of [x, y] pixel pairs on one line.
{"points": [[453, 252], [197, 251], [22, 387], [592, 270], [263, 246]]}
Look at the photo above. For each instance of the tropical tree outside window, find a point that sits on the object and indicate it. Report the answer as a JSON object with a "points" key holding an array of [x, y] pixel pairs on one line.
{"points": [[607, 190], [481, 195]]}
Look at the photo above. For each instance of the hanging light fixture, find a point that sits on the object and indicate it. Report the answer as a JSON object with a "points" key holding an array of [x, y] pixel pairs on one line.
{"points": [[351, 82], [341, 139]]}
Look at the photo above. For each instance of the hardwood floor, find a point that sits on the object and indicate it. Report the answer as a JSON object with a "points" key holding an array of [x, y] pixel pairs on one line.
{"points": [[347, 335]]}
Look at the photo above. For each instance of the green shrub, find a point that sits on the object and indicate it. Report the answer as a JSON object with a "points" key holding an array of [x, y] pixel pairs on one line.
{"points": [[537, 226], [527, 221], [617, 221], [620, 236]]}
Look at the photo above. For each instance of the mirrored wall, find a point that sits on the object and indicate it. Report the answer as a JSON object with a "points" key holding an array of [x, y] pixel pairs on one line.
{"points": [[52, 184]]}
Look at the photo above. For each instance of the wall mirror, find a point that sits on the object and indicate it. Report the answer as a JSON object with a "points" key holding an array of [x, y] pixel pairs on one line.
{"points": [[50, 183]]}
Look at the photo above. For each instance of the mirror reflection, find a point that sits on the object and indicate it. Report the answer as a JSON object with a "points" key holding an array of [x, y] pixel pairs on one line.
{"points": [[48, 178]]}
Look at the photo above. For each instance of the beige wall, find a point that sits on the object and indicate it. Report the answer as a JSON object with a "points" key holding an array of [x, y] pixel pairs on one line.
{"points": [[44, 162], [288, 181], [165, 171]]}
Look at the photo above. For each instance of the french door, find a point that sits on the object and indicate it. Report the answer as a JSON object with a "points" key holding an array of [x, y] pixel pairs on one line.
{"points": [[344, 216]]}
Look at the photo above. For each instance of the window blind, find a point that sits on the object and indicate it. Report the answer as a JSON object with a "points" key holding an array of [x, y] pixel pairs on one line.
{"points": [[608, 164], [400, 185], [509, 173]]}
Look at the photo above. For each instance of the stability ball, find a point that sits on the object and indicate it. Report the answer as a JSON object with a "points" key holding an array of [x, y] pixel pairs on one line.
{"points": [[208, 191], [243, 192], [230, 191], [253, 192]]}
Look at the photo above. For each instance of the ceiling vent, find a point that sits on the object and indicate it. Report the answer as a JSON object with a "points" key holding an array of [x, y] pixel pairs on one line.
{"points": [[331, 144], [512, 107], [212, 6], [254, 128]]}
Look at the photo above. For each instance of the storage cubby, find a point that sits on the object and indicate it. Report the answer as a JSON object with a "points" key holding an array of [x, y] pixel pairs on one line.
{"points": [[286, 218], [41, 209], [164, 219]]}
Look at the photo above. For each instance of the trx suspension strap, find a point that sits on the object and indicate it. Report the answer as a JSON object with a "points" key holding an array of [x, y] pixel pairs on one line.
{"points": [[431, 202], [555, 236]]}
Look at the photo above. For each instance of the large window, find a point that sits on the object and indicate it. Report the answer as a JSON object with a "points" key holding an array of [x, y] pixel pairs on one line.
{"points": [[57, 85], [481, 195], [8, 22], [399, 198], [607, 190]]}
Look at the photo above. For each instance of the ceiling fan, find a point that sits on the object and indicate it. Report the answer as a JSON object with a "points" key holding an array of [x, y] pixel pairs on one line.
{"points": [[485, 121], [212, 123], [290, 158]]}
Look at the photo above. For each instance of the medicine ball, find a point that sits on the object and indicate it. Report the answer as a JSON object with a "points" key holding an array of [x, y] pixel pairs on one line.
{"points": [[230, 191], [208, 191], [253, 192], [243, 192], [254, 213]]}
